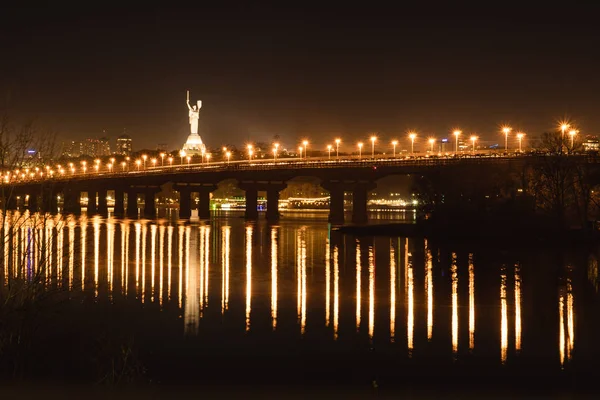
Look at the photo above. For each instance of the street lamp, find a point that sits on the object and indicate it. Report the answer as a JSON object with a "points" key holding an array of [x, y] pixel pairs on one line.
{"points": [[412, 137], [329, 148], [305, 143], [123, 165], [473, 139], [520, 137], [189, 159], [572, 133], [457, 134], [431, 142], [138, 162], [207, 158], [153, 162], [170, 161], [162, 161], [360, 145], [275, 148], [373, 139], [144, 157], [110, 167], [182, 154], [394, 143], [228, 154], [337, 148], [250, 152], [506, 130]]}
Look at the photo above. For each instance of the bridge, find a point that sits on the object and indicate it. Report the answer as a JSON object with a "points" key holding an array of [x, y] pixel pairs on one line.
{"points": [[338, 176]]}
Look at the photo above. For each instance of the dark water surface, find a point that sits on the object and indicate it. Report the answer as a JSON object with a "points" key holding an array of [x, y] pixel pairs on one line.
{"points": [[231, 303]]}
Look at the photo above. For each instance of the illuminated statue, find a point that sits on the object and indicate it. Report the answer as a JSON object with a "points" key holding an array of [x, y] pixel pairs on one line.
{"points": [[194, 145]]}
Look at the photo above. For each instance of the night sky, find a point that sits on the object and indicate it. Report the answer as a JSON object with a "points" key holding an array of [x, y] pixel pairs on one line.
{"points": [[299, 72]]}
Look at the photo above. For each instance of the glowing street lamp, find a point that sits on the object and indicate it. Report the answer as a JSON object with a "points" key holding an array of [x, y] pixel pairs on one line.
{"points": [[275, 148], [153, 162], [360, 145], [394, 143], [520, 138], [144, 157], [110, 167], [473, 139], [207, 158], [305, 143], [564, 126], [457, 134], [250, 152], [572, 133], [182, 154], [138, 163], [189, 159], [97, 167], [329, 147], [412, 137], [373, 139], [170, 161], [506, 130], [431, 142], [162, 157], [300, 148], [337, 148], [228, 154], [123, 164]]}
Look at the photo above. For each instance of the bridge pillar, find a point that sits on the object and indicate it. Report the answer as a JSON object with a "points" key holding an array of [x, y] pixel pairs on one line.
{"points": [[132, 206], [102, 202], [336, 203], [32, 202], [273, 201], [52, 202], [251, 203], [149, 204], [204, 202], [185, 203], [359, 202], [10, 200], [46, 199], [119, 203], [72, 201], [91, 207]]}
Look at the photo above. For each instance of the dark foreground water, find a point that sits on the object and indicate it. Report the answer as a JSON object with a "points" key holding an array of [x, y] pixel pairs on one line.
{"points": [[234, 303]]}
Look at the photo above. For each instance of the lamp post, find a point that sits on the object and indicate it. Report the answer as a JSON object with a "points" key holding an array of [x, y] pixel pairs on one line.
{"points": [[473, 139], [394, 143], [563, 127], [506, 130], [228, 154], [170, 161], [182, 154], [153, 162], [431, 142], [188, 158], [457, 134], [144, 157], [572, 133], [412, 137], [337, 148], [123, 165], [275, 148], [162, 157], [373, 139], [250, 152], [520, 137], [305, 143], [360, 145], [138, 163], [207, 158], [329, 147], [300, 150]]}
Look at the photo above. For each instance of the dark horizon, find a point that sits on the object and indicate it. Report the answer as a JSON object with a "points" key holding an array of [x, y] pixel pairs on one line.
{"points": [[299, 73]]}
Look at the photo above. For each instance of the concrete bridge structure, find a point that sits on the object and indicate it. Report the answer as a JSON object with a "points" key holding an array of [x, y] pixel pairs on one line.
{"points": [[271, 176]]}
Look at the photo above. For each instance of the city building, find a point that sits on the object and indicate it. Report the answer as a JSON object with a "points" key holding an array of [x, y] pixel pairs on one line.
{"points": [[72, 149], [124, 145], [591, 143], [88, 148]]}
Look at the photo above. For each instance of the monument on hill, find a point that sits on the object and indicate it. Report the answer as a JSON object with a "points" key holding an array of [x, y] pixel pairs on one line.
{"points": [[193, 144]]}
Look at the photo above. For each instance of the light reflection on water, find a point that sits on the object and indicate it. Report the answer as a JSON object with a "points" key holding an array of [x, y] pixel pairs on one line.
{"points": [[292, 273]]}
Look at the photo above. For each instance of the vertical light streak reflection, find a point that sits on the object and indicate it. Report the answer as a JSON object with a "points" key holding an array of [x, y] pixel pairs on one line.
{"points": [[274, 255], [110, 254], [570, 319], [410, 317], [192, 273], [358, 284], [83, 224], [429, 289], [504, 318], [96, 254], [50, 249], [248, 275], [206, 261], [143, 250], [152, 260], [225, 249], [138, 235], [392, 292], [371, 291], [298, 272], [161, 257], [201, 259], [517, 307], [471, 302], [60, 246], [327, 282], [126, 258], [169, 259], [71, 253], [454, 277], [561, 330], [123, 257], [188, 235], [180, 241], [303, 274], [336, 291]]}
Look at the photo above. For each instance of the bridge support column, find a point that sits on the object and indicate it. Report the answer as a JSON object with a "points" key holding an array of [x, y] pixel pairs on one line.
{"points": [[185, 203], [359, 202], [251, 203], [32, 202], [10, 200], [72, 201], [132, 206], [102, 203], [204, 203], [91, 207], [51, 202], [119, 203], [336, 203], [149, 204], [273, 201]]}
